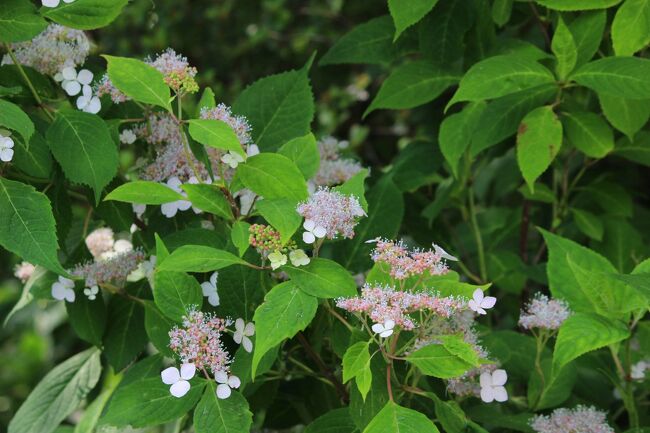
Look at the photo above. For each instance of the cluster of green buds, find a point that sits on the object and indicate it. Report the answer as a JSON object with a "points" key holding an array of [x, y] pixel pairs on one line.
{"points": [[267, 240]]}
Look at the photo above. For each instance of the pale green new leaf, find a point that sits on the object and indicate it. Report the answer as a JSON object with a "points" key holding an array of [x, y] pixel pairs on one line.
{"points": [[140, 81], [216, 134], [631, 27], [85, 14], [355, 360], [281, 214], [397, 419], [589, 133], [564, 48], [271, 175], [405, 13], [450, 359], [303, 151]]}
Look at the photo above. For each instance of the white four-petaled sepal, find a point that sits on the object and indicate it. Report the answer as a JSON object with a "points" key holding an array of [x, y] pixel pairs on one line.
{"points": [[299, 258], [226, 384], [444, 254], [6, 149], [492, 386], [91, 292], [210, 290], [178, 379], [63, 290], [385, 329], [170, 209], [312, 232], [277, 259], [243, 331], [480, 302], [233, 159]]}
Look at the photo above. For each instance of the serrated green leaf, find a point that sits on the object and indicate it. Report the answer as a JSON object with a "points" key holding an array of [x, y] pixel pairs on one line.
{"points": [[281, 214], [631, 27], [273, 176], [397, 419], [209, 198], [552, 390], [456, 133], [19, 21], [368, 43], [303, 151], [239, 235], [35, 158], [176, 293], [322, 278], [13, 117], [441, 33], [215, 415], [405, 13], [199, 258], [216, 134], [637, 150], [157, 327], [564, 48], [88, 318], [626, 115], [144, 192], [450, 359], [588, 223], [589, 133], [624, 77], [126, 337], [587, 30], [85, 14], [140, 81], [355, 360]]}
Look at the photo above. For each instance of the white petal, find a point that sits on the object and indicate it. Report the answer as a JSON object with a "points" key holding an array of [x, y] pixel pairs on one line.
{"points": [[248, 344], [183, 205], [488, 302], [207, 288], [86, 90], [6, 155], [472, 305], [238, 336], [377, 328], [249, 329], [387, 333], [68, 1], [500, 394], [58, 291], [169, 209], [478, 296], [389, 324], [82, 102], [70, 295], [223, 391], [486, 380], [221, 376], [252, 150], [85, 76], [308, 238], [174, 183], [499, 377], [234, 382], [188, 370], [50, 3], [320, 232], [487, 395], [309, 225], [72, 88], [213, 299], [94, 106], [213, 279], [68, 73], [240, 324], [444, 254], [180, 388], [170, 375]]}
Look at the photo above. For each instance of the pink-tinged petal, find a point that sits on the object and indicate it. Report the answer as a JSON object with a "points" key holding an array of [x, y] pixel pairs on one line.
{"points": [[486, 380], [180, 388], [248, 344], [187, 371], [240, 324], [500, 394], [170, 375], [70, 295], [478, 296], [238, 335], [389, 324], [377, 328], [387, 333], [223, 391], [499, 377], [221, 376], [487, 395], [234, 382], [320, 232], [488, 302], [472, 305]]}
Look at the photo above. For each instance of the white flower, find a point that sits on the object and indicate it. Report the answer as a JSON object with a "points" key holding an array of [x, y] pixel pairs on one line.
{"points": [[63, 290], [178, 379], [138, 209], [170, 209], [233, 159], [73, 82], [210, 290], [122, 246], [89, 103], [384, 330], [299, 258], [492, 386], [242, 332], [127, 137], [480, 302], [252, 150], [54, 3], [313, 232], [444, 254], [91, 292], [6, 149], [277, 259], [226, 383], [637, 371]]}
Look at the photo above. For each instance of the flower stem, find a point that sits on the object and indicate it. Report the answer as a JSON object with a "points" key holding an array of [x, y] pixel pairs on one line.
{"points": [[477, 235]]}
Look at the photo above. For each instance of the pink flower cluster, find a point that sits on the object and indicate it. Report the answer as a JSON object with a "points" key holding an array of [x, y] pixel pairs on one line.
{"points": [[105, 87], [582, 419], [337, 213], [542, 312], [239, 124], [113, 270], [198, 341], [334, 169], [404, 263], [176, 70], [386, 303]]}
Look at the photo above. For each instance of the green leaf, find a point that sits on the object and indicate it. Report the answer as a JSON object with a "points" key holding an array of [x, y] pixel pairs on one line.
{"points": [[502, 116], [239, 236], [88, 318], [278, 107], [209, 198], [588, 223], [207, 100], [93, 411], [624, 77], [199, 258], [564, 48], [626, 115], [577, 5], [19, 21], [281, 214], [216, 134], [452, 358], [140, 81], [500, 76], [58, 394], [412, 84], [587, 30], [126, 337], [27, 225], [35, 158], [12, 117], [456, 133], [144, 192], [631, 27], [442, 33], [85, 14], [538, 141], [175, 293], [334, 421], [361, 410], [396, 419], [450, 415], [273, 176], [323, 278], [355, 360], [405, 13], [303, 152], [241, 289], [286, 311], [356, 186], [501, 11], [215, 415], [157, 327], [582, 333], [83, 146], [146, 401], [589, 133], [637, 150], [367, 43], [552, 390]]}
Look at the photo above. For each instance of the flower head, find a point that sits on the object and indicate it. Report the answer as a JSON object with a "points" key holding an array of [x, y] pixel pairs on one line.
{"points": [[179, 380], [480, 302], [226, 384], [334, 169], [243, 331], [335, 213], [542, 312], [112, 268], [24, 271], [210, 289], [405, 263], [385, 329], [63, 290], [581, 419], [232, 159], [492, 386], [100, 241], [176, 70]]}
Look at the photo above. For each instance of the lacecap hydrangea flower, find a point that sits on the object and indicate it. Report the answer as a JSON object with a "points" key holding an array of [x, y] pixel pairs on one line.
{"points": [[334, 169], [544, 313], [330, 214], [405, 263], [581, 419]]}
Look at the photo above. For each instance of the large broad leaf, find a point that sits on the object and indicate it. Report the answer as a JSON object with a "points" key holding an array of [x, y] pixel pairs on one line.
{"points": [[216, 134], [12, 117], [405, 13], [126, 337], [551, 390], [538, 141], [367, 43], [279, 108], [176, 293], [27, 225], [281, 214], [34, 158], [631, 27], [456, 133], [334, 421], [323, 278], [58, 394], [241, 289], [442, 32], [500, 76], [286, 311], [582, 333], [199, 258], [140, 81], [451, 359], [589, 133], [564, 48], [157, 326], [215, 415], [577, 5], [637, 150], [397, 419], [626, 115], [82, 144], [142, 399], [209, 198], [85, 14], [273, 176], [625, 77], [144, 192], [303, 151], [88, 318], [412, 84], [19, 21]]}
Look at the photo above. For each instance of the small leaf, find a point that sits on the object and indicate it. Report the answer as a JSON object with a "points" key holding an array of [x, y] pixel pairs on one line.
{"points": [[273, 176], [452, 358], [564, 48], [626, 115], [216, 134], [140, 81], [405, 13], [587, 30], [323, 278], [19, 21], [176, 293], [303, 151], [85, 14], [623, 77], [631, 27], [240, 235], [199, 258], [209, 198], [144, 192], [355, 360], [589, 133], [13, 117]]}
